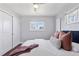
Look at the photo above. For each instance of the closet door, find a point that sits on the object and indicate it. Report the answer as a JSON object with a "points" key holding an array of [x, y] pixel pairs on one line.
{"points": [[16, 31], [1, 37], [7, 32]]}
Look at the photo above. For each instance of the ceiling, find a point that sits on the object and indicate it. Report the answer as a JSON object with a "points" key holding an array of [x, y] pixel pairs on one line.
{"points": [[45, 9]]}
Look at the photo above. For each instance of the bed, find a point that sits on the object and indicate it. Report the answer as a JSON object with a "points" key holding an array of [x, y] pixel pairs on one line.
{"points": [[47, 49]]}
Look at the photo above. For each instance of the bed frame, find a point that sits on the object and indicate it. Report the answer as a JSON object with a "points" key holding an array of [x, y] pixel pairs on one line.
{"points": [[75, 36]]}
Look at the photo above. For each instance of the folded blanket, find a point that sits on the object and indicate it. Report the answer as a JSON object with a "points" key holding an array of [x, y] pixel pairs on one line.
{"points": [[22, 49]]}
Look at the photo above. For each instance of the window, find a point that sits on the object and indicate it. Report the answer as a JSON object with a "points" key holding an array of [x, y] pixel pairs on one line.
{"points": [[72, 17], [37, 25]]}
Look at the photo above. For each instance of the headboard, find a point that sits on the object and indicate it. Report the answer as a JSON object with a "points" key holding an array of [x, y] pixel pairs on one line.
{"points": [[75, 36]]}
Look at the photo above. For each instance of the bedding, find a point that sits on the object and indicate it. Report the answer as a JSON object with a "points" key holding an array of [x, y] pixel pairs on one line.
{"points": [[75, 47], [55, 42], [46, 49], [21, 49]]}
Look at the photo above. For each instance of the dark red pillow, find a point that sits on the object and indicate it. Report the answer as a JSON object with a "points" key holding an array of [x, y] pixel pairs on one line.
{"points": [[66, 41], [56, 34], [61, 34]]}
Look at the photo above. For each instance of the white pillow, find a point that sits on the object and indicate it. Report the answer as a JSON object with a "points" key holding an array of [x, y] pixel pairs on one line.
{"points": [[75, 47], [55, 42], [29, 42]]}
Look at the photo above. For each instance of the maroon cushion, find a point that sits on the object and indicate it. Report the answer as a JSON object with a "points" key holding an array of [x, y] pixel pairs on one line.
{"points": [[56, 34], [61, 34], [66, 41]]}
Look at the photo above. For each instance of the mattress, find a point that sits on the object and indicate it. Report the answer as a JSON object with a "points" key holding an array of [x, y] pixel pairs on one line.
{"points": [[46, 49]]}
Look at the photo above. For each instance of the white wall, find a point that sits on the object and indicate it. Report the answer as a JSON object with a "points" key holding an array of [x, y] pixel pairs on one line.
{"points": [[58, 23], [64, 26], [26, 34]]}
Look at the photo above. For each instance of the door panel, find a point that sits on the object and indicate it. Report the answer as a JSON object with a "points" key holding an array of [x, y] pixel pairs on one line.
{"points": [[16, 31], [1, 38], [7, 32]]}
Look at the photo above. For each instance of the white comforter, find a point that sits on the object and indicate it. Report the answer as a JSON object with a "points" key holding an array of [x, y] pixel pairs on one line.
{"points": [[46, 49]]}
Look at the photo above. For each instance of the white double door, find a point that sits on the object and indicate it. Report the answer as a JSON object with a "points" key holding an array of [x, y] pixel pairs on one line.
{"points": [[5, 32]]}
